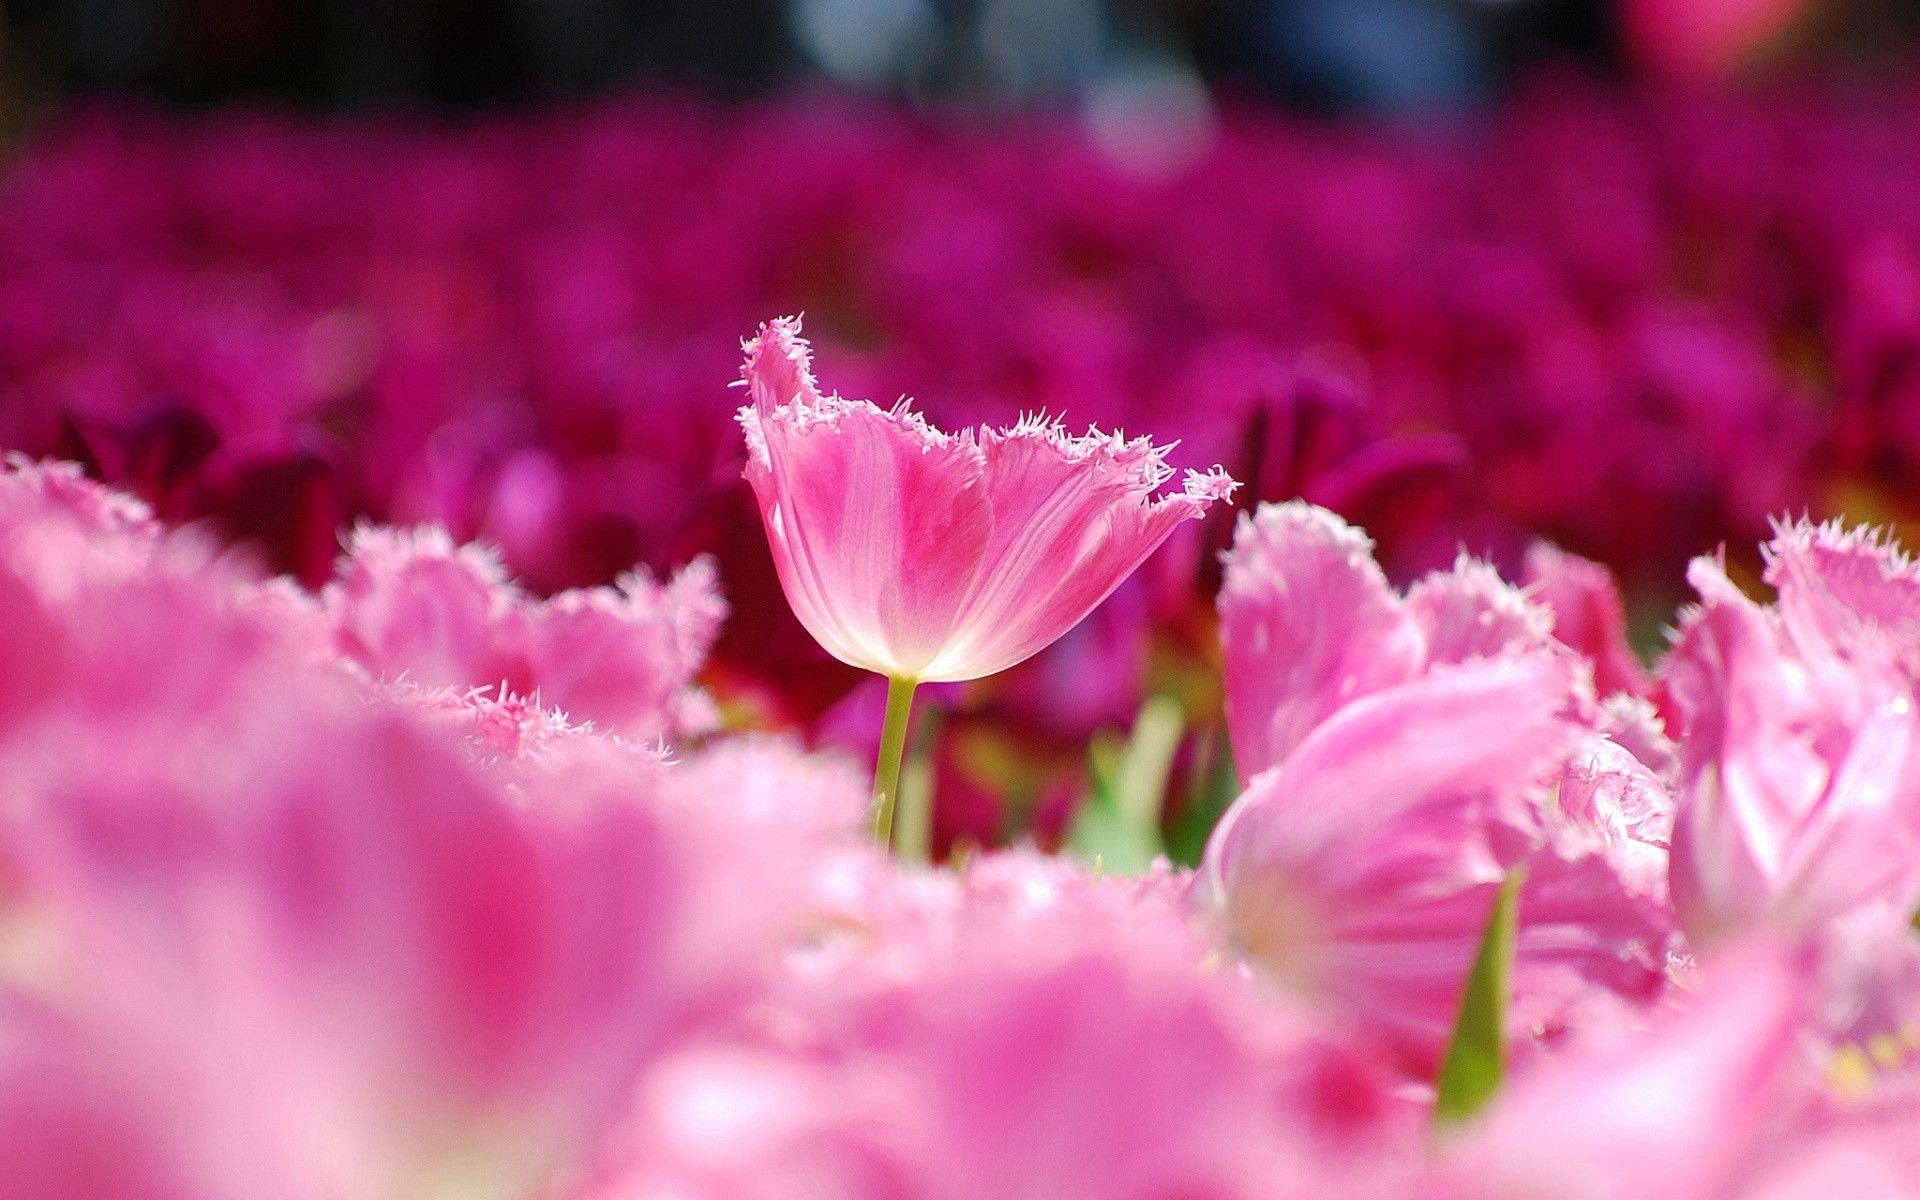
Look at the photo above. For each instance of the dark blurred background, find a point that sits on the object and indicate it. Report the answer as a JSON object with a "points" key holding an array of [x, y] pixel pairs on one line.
{"points": [[1341, 55]]}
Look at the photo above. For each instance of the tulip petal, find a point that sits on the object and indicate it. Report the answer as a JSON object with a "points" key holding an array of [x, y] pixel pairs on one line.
{"points": [[1309, 624], [878, 522]]}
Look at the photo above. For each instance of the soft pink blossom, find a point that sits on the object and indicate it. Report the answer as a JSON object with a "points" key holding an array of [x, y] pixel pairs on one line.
{"points": [[924, 555], [1363, 869], [1309, 624], [1022, 1028], [413, 606], [1800, 747], [1682, 1111]]}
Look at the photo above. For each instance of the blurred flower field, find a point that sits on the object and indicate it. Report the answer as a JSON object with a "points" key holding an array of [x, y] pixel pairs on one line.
{"points": [[434, 750]]}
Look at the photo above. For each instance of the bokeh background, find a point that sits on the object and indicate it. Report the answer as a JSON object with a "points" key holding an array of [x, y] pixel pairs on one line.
{"points": [[1402, 56], [1629, 276]]}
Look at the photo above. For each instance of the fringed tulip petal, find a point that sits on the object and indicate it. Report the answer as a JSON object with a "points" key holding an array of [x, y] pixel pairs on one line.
{"points": [[1309, 624], [1365, 866], [1588, 616], [940, 557], [1800, 767], [1470, 612]]}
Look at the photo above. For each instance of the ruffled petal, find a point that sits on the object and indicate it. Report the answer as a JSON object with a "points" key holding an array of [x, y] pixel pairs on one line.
{"points": [[1845, 591], [1470, 612], [1309, 624], [1073, 516], [1366, 863], [410, 603], [1800, 780], [878, 522], [410, 606], [624, 657], [1588, 616]]}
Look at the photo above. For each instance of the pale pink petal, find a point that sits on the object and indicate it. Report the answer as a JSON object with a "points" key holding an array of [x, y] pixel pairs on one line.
{"points": [[1860, 847], [412, 607], [623, 657], [878, 522], [409, 603], [1800, 780], [1634, 724], [1745, 784], [1308, 625], [1073, 517], [1588, 615], [1594, 922], [32, 489], [1847, 591], [1365, 866], [1872, 1160], [1677, 1113], [1470, 612]]}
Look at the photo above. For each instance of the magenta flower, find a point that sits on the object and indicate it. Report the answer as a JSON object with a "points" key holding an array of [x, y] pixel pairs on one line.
{"points": [[929, 557]]}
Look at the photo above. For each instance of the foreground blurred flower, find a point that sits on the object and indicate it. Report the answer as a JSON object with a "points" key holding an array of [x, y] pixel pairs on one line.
{"points": [[271, 926], [1361, 871], [927, 557], [1677, 1112]]}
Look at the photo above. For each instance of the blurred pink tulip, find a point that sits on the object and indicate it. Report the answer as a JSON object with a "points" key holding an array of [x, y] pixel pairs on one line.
{"points": [[1682, 1111], [1800, 743], [411, 605]]}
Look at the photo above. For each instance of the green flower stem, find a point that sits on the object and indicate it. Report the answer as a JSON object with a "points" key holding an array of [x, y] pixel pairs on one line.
{"points": [[893, 744], [913, 813]]}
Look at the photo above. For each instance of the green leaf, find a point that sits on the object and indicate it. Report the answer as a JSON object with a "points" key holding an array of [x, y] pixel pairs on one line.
{"points": [[1212, 786], [1118, 826], [1477, 1056]]}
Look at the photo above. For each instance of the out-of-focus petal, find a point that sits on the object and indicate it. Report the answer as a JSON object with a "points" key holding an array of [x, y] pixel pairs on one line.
{"points": [[1309, 624], [1588, 615]]}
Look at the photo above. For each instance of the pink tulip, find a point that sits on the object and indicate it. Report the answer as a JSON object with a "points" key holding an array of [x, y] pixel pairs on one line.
{"points": [[927, 557], [1362, 870], [412, 605], [1800, 755], [1588, 615], [1310, 624], [1024, 1030], [922, 555]]}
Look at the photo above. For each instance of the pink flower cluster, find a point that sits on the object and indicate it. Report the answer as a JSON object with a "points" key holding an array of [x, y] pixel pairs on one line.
{"points": [[1704, 310], [419, 886]]}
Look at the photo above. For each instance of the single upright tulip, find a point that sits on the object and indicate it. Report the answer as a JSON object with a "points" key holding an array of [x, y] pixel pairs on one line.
{"points": [[927, 556]]}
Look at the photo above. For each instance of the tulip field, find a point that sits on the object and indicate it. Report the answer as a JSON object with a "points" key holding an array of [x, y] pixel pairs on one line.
{"points": [[667, 649]]}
